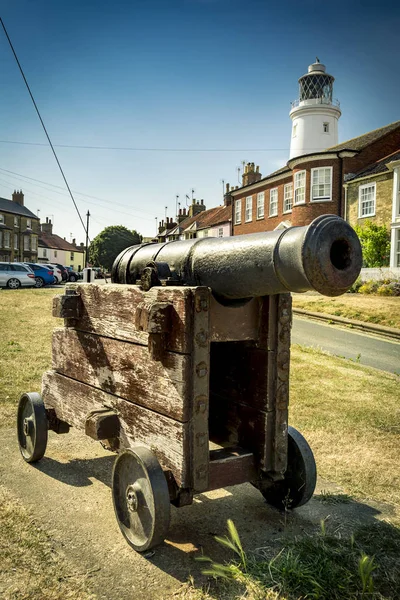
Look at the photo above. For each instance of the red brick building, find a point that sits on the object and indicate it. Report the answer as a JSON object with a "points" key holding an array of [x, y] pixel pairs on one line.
{"points": [[308, 186]]}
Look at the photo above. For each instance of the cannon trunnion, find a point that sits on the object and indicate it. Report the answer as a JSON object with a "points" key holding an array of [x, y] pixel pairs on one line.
{"points": [[187, 383]]}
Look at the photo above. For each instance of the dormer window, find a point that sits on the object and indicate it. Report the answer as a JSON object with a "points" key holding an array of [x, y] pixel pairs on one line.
{"points": [[326, 127]]}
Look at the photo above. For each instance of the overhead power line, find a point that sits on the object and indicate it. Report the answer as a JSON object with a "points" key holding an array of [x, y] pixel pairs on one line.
{"points": [[133, 149], [43, 125]]}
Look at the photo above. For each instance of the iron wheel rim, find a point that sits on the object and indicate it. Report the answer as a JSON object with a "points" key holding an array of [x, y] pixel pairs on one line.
{"points": [[141, 498], [32, 427]]}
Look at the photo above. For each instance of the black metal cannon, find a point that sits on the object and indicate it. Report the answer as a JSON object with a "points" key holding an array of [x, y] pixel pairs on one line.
{"points": [[181, 365], [324, 256]]}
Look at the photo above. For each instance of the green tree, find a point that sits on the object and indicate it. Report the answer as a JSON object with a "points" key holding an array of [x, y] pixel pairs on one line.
{"points": [[375, 244], [106, 246]]}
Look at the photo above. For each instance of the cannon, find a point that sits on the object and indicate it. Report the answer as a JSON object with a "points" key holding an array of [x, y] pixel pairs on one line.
{"points": [[181, 366]]}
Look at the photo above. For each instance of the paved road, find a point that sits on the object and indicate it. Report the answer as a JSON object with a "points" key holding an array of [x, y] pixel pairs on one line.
{"points": [[364, 348]]}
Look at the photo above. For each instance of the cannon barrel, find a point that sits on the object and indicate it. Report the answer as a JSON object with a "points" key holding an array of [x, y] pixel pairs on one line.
{"points": [[324, 256]]}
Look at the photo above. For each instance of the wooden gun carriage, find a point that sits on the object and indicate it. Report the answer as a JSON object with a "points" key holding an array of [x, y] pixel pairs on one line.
{"points": [[189, 386]]}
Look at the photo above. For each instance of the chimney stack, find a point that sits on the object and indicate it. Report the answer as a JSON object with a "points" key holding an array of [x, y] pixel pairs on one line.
{"points": [[47, 227], [18, 197], [251, 174], [196, 207]]}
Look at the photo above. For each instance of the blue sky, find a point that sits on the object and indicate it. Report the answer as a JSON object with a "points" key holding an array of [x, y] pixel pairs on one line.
{"points": [[175, 74]]}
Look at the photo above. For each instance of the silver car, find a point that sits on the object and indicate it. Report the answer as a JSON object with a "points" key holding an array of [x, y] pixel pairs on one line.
{"points": [[16, 275]]}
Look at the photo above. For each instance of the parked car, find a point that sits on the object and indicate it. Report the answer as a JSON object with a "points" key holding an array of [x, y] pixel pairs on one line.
{"points": [[43, 275], [72, 275], [16, 275], [57, 272], [63, 270]]}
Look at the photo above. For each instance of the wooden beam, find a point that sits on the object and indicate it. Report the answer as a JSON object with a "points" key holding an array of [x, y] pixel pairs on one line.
{"points": [[230, 466]]}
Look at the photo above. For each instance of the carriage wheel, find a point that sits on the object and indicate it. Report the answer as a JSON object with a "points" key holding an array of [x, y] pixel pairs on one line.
{"points": [[32, 427], [300, 477], [141, 498]]}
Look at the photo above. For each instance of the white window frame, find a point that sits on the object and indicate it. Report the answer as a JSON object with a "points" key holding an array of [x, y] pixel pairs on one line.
{"points": [[287, 197], [297, 187], [16, 241], [72, 257], [27, 242], [360, 190], [273, 212], [34, 243], [220, 232], [16, 222], [29, 223], [397, 247], [321, 198], [248, 215], [1, 218], [260, 205], [238, 211], [44, 252], [7, 236]]}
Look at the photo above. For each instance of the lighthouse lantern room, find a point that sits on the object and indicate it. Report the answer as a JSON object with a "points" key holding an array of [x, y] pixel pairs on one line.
{"points": [[315, 113]]}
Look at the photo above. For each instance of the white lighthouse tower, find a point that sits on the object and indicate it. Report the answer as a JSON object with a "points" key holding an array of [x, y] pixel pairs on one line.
{"points": [[314, 114]]}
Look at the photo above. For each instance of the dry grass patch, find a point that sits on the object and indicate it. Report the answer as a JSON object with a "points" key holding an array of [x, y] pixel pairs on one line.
{"points": [[26, 324], [30, 566], [350, 415], [370, 309]]}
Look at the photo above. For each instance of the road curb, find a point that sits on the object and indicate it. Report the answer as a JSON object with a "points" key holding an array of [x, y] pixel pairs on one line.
{"points": [[379, 330]]}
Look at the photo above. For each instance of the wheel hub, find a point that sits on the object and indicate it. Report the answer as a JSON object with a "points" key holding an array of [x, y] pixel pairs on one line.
{"points": [[132, 499], [27, 426]]}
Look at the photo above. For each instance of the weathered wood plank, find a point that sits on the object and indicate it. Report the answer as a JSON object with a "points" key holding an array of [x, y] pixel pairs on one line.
{"points": [[230, 466], [110, 310], [199, 438], [234, 323], [125, 369], [168, 439]]}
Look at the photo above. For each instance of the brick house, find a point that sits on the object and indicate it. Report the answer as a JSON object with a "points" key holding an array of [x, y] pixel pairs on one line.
{"points": [[198, 223], [55, 249], [19, 229], [309, 185], [373, 194]]}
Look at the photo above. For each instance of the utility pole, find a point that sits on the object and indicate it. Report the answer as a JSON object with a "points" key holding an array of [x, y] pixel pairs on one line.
{"points": [[87, 241], [156, 226]]}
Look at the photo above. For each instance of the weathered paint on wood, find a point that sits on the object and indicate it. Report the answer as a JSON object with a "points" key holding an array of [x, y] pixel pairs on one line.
{"points": [[168, 439], [110, 310], [199, 436], [234, 323], [125, 369]]}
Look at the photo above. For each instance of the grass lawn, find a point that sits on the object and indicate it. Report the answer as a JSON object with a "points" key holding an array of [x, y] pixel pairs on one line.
{"points": [[381, 310], [350, 415]]}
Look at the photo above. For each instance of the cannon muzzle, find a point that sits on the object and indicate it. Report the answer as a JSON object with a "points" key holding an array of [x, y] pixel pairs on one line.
{"points": [[324, 256]]}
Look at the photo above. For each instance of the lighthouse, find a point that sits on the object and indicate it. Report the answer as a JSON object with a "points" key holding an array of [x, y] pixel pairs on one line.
{"points": [[315, 113]]}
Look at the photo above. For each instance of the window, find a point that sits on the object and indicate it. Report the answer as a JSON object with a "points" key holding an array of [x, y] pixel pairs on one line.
{"points": [[294, 131], [238, 212], [27, 245], [260, 205], [16, 222], [1, 239], [325, 127], [1, 218], [19, 268], [288, 197], [44, 252], [300, 187], [15, 241], [366, 200], [273, 202], [29, 223], [221, 232], [6, 239], [72, 256], [321, 184], [55, 253], [397, 249], [249, 209], [205, 234], [33, 243]]}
